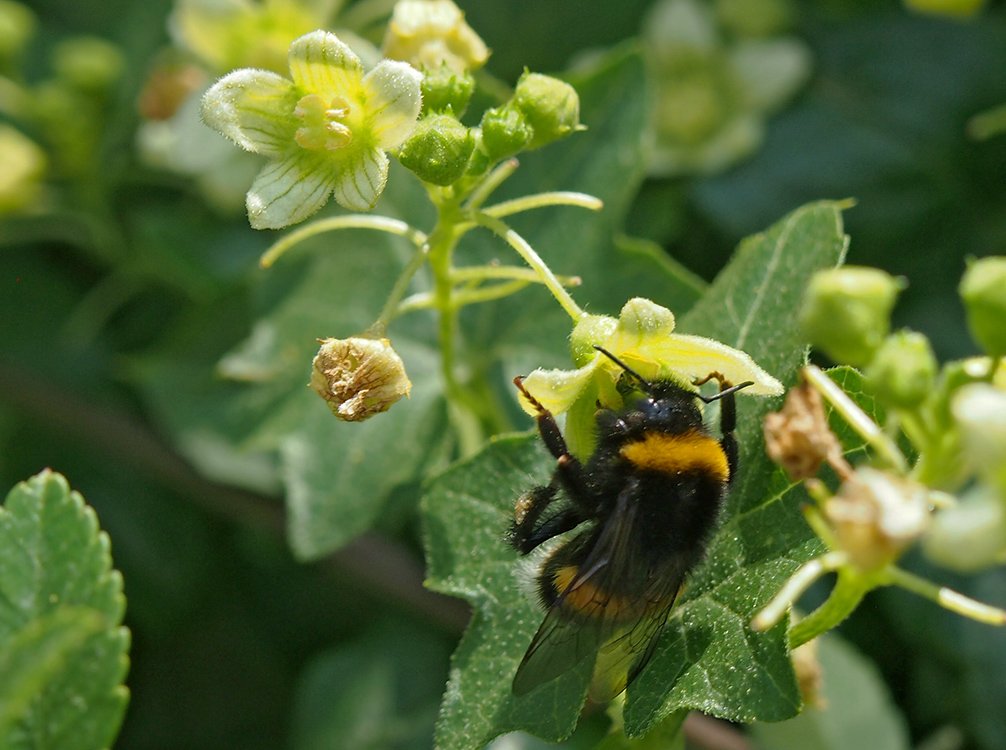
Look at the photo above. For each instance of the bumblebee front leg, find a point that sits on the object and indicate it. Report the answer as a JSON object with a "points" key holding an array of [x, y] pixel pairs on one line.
{"points": [[567, 468], [728, 415]]}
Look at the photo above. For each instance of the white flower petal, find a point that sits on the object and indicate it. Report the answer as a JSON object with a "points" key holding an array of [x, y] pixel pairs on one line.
{"points": [[361, 179], [254, 108], [393, 101], [696, 357], [288, 191], [556, 390], [323, 64]]}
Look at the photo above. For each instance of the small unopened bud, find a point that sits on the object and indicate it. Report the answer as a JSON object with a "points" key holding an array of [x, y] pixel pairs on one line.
{"points": [[798, 438], [979, 411], [17, 25], [590, 331], [876, 515], [359, 377], [445, 90], [431, 33], [846, 312], [902, 373], [505, 132], [438, 149], [550, 106], [983, 289]]}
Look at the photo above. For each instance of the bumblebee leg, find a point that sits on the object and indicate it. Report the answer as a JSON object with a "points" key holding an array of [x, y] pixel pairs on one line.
{"points": [[525, 540], [568, 469], [728, 423], [728, 416]]}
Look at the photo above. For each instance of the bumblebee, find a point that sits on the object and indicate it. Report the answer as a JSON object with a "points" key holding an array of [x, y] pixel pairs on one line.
{"points": [[645, 504]]}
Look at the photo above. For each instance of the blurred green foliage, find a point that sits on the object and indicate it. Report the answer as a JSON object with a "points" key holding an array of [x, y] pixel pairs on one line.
{"points": [[147, 358]]}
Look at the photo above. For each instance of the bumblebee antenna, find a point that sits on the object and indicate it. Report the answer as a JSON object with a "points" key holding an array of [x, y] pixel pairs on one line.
{"points": [[647, 385]]}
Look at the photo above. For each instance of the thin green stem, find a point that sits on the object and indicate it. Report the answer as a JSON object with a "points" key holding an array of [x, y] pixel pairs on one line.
{"points": [[350, 221], [489, 273], [856, 418], [493, 180], [994, 367], [414, 302], [488, 293], [849, 590], [392, 306], [946, 598], [463, 408], [794, 588], [534, 260], [541, 200]]}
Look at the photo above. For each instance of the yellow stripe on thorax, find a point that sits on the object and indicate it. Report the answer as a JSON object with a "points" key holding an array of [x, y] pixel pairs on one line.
{"points": [[677, 453]]}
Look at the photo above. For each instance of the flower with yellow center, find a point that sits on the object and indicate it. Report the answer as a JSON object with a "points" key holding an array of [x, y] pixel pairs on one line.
{"points": [[325, 131]]}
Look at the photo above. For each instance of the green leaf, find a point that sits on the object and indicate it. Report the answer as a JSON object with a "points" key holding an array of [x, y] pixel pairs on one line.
{"points": [[708, 658], [62, 647], [856, 709], [338, 477]]}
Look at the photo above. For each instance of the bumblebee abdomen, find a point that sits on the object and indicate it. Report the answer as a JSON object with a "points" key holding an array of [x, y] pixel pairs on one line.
{"points": [[585, 599], [692, 451]]}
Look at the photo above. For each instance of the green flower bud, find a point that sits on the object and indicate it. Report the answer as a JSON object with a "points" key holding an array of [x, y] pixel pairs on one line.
{"points": [[24, 166], [902, 373], [590, 331], [550, 106], [846, 312], [17, 25], [438, 149], [444, 90], [88, 63], [970, 535], [359, 377], [979, 409], [983, 290], [505, 132]]}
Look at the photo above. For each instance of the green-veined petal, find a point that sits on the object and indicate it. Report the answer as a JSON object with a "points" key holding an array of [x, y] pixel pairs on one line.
{"points": [[556, 390], [696, 357], [361, 179], [253, 108], [393, 101], [321, 63], [288, 191]]}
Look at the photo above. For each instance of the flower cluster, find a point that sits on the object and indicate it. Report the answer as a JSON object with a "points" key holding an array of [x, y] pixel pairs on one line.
{"points": [[951, 496], [718, 75]]}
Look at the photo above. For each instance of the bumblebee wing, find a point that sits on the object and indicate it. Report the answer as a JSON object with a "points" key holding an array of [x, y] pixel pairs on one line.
{"points": [[559, 646], [579, 621], [623, 657]]}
